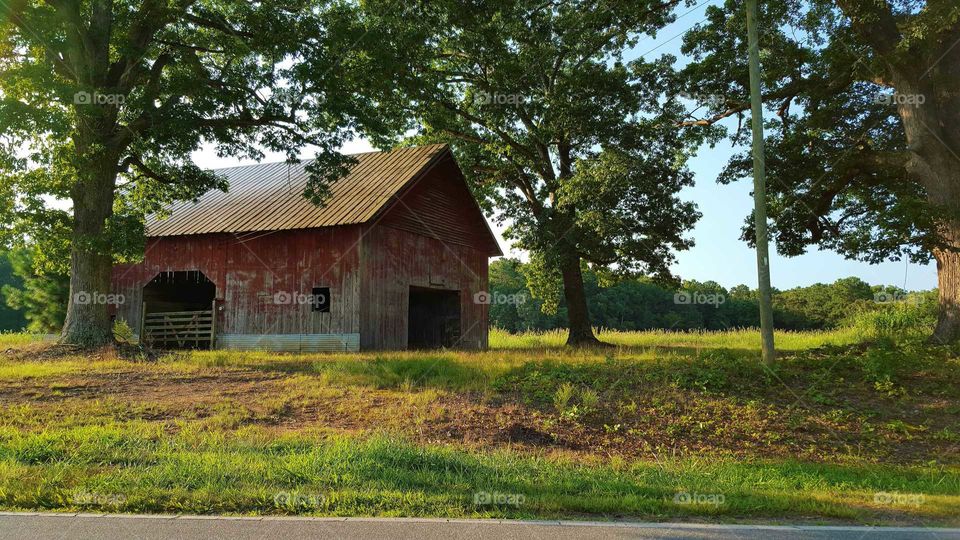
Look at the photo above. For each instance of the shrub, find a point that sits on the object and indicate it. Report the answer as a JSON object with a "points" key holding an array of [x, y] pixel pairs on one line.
{"points": [[589, 398], [122, 332], [901, 320], [561, 399]]}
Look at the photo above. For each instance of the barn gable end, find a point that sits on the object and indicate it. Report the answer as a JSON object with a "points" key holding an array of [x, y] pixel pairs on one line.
{"points": [[438, 204]]}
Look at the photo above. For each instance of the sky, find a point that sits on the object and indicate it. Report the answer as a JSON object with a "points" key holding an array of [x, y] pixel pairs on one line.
{"points": [[718, 253]]}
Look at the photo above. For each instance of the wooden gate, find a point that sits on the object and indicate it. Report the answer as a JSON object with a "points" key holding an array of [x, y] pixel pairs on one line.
{"points": [[179, 329]]}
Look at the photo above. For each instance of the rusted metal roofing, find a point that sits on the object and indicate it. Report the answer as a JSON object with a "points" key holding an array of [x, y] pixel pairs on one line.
{"points": [[269, 197]]}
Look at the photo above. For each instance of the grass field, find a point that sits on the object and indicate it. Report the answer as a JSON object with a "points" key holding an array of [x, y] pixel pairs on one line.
{"points": [[664, 426]]}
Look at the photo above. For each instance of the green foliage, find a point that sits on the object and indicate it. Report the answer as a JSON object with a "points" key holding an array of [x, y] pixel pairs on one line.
{"points": [[885, 363], [838, 156], [562, 397], [640, 304], [41, 297], [11, 319], [589, 398], [553, 382], [717, 370], [544, 282], [909, 319], [122, 332], [828, 305]]}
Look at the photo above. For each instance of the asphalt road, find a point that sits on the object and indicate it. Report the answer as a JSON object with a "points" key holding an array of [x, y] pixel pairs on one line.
{"points": [[25, 526]]}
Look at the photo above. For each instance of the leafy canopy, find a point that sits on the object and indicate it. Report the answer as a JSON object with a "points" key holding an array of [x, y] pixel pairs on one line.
{"points": [[837, 155], [562, 138], [134, 87]]}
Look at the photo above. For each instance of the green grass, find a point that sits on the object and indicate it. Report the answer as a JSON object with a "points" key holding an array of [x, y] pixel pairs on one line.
{"points": [[476, 371], [837, 432], [743, 339], [19, 339], [133, 468]]}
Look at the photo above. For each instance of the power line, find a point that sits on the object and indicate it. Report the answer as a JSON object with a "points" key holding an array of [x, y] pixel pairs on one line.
{"points": [[689, 11], [674, 37]]}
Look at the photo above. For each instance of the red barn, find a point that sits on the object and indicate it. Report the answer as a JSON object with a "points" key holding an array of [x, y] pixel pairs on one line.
{"points": [[396, 259]]}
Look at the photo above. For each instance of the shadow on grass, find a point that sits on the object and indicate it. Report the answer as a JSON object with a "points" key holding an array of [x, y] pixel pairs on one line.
{"points": [[536, 375], [429, 371]]}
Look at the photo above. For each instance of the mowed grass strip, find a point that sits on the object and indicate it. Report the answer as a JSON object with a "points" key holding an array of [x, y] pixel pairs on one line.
{"points": [[134, 467]]}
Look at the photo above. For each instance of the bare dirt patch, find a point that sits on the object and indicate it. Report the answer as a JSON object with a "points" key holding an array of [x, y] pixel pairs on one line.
{"points": [[178, 390], [661, 421]]}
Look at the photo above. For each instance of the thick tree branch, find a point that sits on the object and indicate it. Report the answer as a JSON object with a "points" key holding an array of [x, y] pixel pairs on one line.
{"points": [[874, 23], [507, 138], [786, 93], [222, 26], [715, 118], [142, 167]]}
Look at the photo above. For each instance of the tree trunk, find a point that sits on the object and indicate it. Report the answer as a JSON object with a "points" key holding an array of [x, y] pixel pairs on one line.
{"points": [[88, 320], [578, 314], [933, 135], [91, 262], [948, 283]]}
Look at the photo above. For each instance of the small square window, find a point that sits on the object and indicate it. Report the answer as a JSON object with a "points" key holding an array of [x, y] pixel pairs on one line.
{"points": [[321, 300]]}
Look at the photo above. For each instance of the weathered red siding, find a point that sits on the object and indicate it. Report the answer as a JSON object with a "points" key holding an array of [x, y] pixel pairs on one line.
{"points": [[441, 206], [248, 269], [435, 237], [392, 261]]}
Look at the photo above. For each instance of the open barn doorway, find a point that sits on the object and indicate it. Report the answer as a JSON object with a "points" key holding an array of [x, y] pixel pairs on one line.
{"points": [[179, 311], [433, 318]]}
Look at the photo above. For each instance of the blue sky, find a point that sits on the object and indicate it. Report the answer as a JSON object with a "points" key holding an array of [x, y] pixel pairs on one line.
{"points": [[719, 254]]}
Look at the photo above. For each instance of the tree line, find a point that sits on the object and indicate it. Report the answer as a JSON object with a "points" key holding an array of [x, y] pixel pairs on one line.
{"points": [[642, 304]]}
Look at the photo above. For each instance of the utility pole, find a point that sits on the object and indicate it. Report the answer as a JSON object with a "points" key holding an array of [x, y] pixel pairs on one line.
{"points": [[760, 188]]}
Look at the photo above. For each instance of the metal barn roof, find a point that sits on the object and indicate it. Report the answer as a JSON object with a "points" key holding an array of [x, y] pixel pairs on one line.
{"points": [[269, 197]]}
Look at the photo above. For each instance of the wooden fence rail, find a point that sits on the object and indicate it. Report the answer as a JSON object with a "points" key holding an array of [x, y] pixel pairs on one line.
{"points": [[178, 328]]}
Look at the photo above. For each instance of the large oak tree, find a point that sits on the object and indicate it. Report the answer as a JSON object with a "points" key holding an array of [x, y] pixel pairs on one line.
{"points": [[103, 101], [572, 145], [863, 152]]}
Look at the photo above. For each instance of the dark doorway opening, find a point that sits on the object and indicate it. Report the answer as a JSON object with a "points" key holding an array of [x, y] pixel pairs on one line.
{"points": [[179, 312], [179, 291], [433, 318]]}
